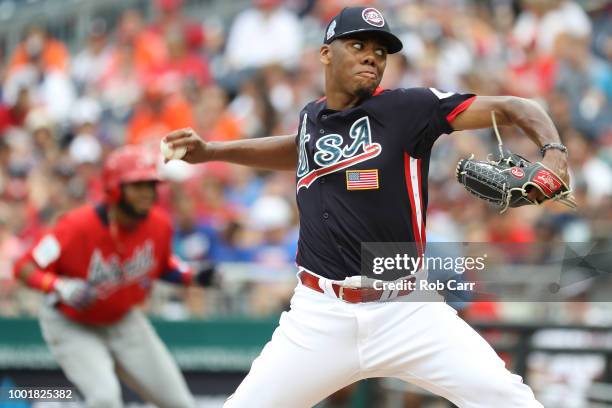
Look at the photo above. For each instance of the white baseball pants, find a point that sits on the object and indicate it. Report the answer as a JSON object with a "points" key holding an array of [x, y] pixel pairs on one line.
{"points": [[93, 357], [324, 344]]}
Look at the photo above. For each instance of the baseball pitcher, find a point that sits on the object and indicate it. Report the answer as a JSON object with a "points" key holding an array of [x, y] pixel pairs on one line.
{"points": [[361, 158]]}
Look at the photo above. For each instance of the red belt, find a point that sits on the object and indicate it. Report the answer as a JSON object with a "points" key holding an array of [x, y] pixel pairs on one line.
{"points": [[350, 295]]}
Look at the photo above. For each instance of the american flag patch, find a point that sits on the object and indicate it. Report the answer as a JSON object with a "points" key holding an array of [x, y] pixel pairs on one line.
{"points": [[362, 179]]}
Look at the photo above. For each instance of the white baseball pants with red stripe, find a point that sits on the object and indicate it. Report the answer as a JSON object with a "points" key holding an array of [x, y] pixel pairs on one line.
{"points": [[324, 344]]}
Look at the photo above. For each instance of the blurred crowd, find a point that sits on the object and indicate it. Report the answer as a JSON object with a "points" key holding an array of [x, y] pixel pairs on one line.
{"points": [[62, 110], [64, 107]]}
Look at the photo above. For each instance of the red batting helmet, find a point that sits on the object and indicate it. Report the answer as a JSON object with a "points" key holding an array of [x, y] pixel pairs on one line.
{"points": [[128, 164]]}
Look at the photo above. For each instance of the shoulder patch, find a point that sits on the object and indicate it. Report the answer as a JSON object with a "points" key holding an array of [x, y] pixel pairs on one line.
{"points": [[47, 251], [331, 30]]}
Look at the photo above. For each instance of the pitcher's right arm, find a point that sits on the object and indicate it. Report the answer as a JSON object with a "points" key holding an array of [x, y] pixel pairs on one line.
{"points": [[268, 153]]}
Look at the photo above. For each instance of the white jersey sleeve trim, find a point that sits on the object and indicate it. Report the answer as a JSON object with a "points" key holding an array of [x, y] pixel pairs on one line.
{"points": [[440, 94]]}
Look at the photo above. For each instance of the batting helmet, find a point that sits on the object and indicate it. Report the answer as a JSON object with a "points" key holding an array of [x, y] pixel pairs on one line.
{"points": [[128, 164]]}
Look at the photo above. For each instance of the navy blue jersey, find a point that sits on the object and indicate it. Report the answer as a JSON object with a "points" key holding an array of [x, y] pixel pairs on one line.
{"points": [[362, 174]]}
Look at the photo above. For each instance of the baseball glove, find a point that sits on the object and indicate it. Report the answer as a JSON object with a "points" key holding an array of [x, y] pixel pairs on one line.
{"points": [[507, 181]]}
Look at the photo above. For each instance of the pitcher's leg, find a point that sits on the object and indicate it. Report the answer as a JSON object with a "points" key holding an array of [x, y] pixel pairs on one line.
{"points": [[438, 351], [312, 354]]}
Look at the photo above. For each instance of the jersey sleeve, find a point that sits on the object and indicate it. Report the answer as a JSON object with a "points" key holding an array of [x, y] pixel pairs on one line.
{"points": [[52, 245], [177, 271], [429, 113]]}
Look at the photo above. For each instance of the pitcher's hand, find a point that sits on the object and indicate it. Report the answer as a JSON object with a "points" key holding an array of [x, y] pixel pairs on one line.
{"points": [[198, 151]]}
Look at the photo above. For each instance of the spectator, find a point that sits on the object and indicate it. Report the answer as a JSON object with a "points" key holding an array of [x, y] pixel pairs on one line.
{"points": [[213, 118], [531, 74], [194, 241], [245, 187], [187, 67], [14, 115], [272, 218], [10, 249], [89, 64], [170, 18], [149, 50], [256, 28], [235, 244], [210, 198], [158, 112], [586, 80], [85, 151], [541, 21], [145, 77], [121, 82], [39, 48], [253, 108], [43, 131], [47, 87], [589, 169]]}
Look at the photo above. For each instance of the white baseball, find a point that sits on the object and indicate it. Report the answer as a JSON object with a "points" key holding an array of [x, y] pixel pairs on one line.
{"points": [[170, 153]]}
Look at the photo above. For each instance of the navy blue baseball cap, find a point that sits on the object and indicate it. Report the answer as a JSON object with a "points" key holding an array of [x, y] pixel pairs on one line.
{"points": [[354, 20]]}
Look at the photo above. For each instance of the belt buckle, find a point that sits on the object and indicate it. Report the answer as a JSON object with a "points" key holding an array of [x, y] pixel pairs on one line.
{"points": [[341, 293]]}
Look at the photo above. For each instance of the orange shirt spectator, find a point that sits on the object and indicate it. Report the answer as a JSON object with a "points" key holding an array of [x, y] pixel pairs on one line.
{"points": [[149, 49], [156, 116], [213, 120], [227, 127], [38, 44]]}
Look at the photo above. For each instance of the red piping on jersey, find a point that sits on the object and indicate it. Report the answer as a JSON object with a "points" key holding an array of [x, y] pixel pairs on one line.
{"points": [[460, 108], [376, 92], [423, 235], [415, 225]]}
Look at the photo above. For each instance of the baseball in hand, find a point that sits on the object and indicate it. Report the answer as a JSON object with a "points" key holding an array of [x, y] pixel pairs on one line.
{"points": [[170, 153]]}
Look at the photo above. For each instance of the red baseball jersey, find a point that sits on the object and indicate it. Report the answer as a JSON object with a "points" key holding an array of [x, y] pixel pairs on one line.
{"points": [[121, 268]]}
